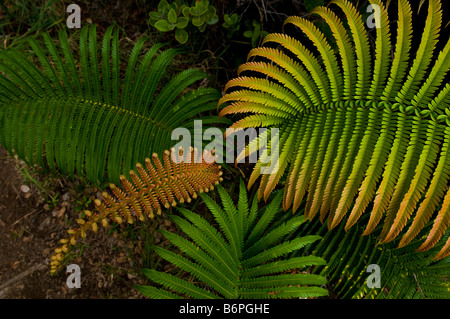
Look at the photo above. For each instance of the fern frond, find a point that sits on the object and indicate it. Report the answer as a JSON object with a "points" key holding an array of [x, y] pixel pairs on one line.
{"points": [[382, 54], [309, 94], [248, 261], [424, 53], [361, 46], [402, 49], [405, 272], [156, 293], [345, 49], [368, 134], [421, 177], [311, 63], [157, 186], [222, 254], [175, 283], [440, 69], [329, 58], [87, 122], [434, 194]]}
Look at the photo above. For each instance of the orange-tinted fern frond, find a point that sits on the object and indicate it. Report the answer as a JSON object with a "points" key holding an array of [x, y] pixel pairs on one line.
{"points": [[161, 184]]}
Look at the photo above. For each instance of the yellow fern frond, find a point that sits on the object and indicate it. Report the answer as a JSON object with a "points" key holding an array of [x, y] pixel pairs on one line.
{"points": [[368, 133]]}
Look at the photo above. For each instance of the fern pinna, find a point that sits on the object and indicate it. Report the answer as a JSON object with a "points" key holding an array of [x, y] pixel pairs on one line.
{"points": [[360, 130], [244, 257], [177, 178], [81, 115]]}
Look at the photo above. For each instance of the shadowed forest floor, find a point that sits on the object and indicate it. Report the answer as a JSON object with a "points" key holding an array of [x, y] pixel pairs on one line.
{"points": [[30, 230]]}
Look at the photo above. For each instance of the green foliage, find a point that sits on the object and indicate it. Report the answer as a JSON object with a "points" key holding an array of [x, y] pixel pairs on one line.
{"points": [[243, 257], [357, 126], [88, 121], [170, 17], [405, 272], [256, 34], [202, 14], [176, 16], [364, 138], [21, 18], [231, 22]]}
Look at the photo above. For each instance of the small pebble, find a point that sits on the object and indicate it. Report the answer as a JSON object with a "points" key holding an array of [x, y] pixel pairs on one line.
{"points": [[24, 188]]}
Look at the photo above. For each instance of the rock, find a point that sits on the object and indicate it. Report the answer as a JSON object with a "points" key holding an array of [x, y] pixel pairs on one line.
{"points": [[24, 188], [66, 196], [61, 211]]}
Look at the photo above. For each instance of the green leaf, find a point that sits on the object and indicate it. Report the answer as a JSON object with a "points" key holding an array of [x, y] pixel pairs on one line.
{"points": [[200, 8], [175, 283], [231, 22], [248, 33], [172, 16], [213, 20], [198, 21], [164, 26], [227, 19], [155, 16], [181, 35], [156, 293], [163, 6], [211, 16], [202, 27], [185, 11], [182, 22], [75, 114]]}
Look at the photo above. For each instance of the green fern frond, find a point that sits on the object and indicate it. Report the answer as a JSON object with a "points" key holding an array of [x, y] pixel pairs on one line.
{"points": [[360, 133], [241, 258], [405, 273], [82, 118], [328, 56], [424, 53], [402, 51], [361, 46]]}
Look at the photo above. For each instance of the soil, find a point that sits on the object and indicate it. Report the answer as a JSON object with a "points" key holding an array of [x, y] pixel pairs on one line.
{"points": [[30, 229]]}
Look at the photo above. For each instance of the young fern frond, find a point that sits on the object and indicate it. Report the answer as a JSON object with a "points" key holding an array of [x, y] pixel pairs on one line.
{"points": [[158, 185], [83, 118], [239, 258], [360, 133]]}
